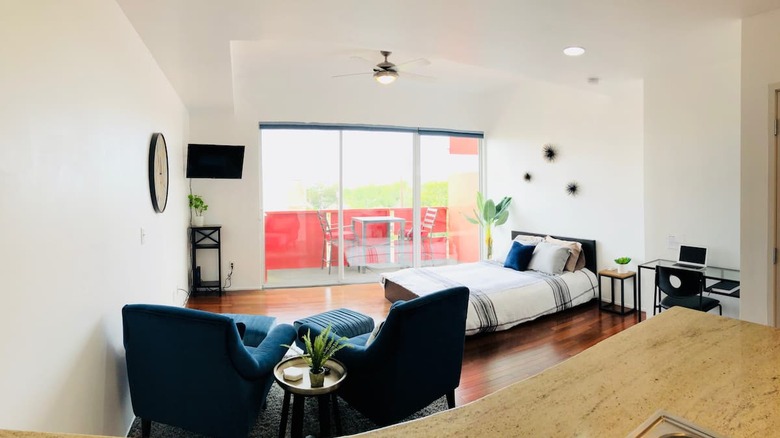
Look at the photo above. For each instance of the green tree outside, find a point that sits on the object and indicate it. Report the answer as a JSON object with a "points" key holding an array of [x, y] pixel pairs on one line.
{"points": [[322, 197]]}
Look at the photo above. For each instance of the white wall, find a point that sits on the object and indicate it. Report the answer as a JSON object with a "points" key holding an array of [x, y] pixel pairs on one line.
{"points": [[81, 97], [598, 136], [760, 68], [235, 204], [692, 167]]}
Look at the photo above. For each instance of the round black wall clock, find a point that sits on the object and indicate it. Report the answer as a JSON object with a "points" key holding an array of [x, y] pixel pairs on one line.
{"points": [[158, 172]]}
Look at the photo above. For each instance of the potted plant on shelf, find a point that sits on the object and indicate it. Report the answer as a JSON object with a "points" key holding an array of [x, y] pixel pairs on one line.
{"points": [[622, 263], [319, 351], [198, 206], [489, 214]]}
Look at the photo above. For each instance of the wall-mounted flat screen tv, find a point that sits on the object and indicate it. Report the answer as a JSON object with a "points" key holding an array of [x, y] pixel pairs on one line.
{"points": [[215, 161]]}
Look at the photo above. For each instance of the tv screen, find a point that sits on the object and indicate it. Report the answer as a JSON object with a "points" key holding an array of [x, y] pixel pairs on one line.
{"points": [[215, 161]]}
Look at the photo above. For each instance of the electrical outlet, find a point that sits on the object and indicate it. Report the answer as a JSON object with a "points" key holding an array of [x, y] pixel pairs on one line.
{"points": [[231, 266], [143, 236]]}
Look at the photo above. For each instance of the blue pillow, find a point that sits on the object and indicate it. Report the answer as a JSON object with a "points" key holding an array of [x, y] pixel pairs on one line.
{"points": [[519, 256]]}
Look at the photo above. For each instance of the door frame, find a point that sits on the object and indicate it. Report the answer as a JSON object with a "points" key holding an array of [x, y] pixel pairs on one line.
{"points": [[773, 298]]}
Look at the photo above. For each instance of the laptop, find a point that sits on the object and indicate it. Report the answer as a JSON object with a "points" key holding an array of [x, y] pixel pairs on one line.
{"points": [[694, 257]]}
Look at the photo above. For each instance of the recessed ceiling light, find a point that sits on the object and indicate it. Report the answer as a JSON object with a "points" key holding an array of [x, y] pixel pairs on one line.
{"points": [[574, 51]]}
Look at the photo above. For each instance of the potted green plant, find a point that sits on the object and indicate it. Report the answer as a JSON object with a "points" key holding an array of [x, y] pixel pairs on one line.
{"points": [[198, 206], [489, 214], [319, 351], [622, 263]]}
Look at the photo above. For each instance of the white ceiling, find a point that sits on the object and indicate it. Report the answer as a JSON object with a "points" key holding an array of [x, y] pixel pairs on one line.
{"points": [[213, 50]]}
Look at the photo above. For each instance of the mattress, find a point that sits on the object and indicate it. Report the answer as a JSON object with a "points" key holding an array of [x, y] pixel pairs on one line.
{"points": [[500, 298]]}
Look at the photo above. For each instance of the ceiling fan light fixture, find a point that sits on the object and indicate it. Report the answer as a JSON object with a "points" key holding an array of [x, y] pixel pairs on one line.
{"points": [[386, 77]]}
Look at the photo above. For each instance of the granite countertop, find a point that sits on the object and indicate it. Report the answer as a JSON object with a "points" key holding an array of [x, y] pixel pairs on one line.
{"points": [[719, 373]]}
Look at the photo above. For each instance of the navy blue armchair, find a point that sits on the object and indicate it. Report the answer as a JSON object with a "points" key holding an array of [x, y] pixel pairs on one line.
{"points": [[190, 368], [414, 359]]}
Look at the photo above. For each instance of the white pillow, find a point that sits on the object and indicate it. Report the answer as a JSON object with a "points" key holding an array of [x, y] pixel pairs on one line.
{"points": [[525, 239], [549, 258], [374, 334]]}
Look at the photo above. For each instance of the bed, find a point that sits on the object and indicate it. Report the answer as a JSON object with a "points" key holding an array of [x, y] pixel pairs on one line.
{"points": [[501, 298]]}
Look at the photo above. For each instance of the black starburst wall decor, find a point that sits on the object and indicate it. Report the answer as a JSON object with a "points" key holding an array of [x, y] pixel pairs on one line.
{"points": [[550, 152], [527, 177], [573, 188]]}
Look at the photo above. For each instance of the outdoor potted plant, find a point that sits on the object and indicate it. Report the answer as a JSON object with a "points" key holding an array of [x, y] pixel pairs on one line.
{"points": [[198, 206], [622, 264], [317, 353], [489, 214]]}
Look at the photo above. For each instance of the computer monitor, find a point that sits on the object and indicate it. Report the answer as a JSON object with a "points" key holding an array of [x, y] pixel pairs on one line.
{"points": [[693, 256]]}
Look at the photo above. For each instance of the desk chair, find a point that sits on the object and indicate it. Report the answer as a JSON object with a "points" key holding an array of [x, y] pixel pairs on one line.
{"points": [[684, 288]]}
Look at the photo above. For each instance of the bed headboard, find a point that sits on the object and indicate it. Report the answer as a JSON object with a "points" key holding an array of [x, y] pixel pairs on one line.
{"points": [[588, 247]]}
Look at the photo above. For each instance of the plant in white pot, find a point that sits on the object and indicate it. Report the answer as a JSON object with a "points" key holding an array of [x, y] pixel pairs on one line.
{"points": [[488, 214], [198, 207], [622, 264], [319, 351]]}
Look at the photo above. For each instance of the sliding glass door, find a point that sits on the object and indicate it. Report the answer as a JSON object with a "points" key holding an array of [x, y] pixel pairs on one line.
{"points": [[345, 204]]}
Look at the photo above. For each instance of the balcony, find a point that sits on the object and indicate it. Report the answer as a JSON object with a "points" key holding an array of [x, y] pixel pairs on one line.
{"points": [[376, 240]]}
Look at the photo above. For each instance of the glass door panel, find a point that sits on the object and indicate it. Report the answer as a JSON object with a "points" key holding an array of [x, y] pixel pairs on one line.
{"points": [[378, 198], [300, 187], [449, 181]]}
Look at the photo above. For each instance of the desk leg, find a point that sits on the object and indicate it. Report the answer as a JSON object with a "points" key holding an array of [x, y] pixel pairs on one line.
{"points": [[285, 409], [322, 401], [638, 288], [297, 416], [622, 296], [637, 303]]}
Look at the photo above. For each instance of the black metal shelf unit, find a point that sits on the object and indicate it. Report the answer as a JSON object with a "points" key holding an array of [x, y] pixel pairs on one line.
{"points": [[206, 237]]}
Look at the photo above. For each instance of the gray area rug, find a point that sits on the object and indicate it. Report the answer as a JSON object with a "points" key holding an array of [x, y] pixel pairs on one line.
{"points": [[352, 421]]}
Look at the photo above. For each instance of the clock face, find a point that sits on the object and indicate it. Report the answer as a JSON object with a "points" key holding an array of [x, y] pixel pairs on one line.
{"points": [[158, 172]]}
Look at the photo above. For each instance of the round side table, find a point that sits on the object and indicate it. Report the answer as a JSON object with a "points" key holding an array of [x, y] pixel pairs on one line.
{"points": [[302, 389]]}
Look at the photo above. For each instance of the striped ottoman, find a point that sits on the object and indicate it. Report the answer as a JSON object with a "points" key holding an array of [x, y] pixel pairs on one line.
{"points": [[343, 322]]}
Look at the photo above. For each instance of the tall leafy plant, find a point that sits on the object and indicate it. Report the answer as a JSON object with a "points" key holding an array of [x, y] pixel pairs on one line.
{"points": [[489, 214]]}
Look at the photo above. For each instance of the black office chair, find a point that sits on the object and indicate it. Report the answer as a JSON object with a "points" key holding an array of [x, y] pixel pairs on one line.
{"points": [[684, 288]]}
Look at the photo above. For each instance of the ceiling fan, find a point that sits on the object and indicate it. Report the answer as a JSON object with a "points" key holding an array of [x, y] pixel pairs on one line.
{"points": [[386, 72]]}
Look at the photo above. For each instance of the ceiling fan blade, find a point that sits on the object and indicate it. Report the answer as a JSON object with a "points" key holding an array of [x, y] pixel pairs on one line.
{"points": [[417, 76], [353, 74], [414, 63], [363, 59]]}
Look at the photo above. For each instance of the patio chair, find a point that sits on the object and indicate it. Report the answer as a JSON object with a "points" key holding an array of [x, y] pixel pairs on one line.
{"points": [[330, 237], [426, 229]]}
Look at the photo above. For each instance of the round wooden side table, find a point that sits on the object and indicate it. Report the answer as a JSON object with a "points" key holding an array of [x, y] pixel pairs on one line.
{"points": [[302, 389]]}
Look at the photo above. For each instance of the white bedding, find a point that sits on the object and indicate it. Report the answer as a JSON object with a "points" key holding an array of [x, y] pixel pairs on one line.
{"points": [[500, 297]]}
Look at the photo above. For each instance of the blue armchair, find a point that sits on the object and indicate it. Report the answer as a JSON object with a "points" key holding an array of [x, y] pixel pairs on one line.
{"points": [[190, 368], [414, 359]]}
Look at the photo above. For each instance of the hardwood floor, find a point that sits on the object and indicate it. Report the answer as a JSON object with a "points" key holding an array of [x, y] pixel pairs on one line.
{"points": [[491, 361]]}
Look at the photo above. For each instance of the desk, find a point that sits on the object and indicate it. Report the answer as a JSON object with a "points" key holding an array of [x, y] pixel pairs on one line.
{"points": [[389, 220], [710, 273]]}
